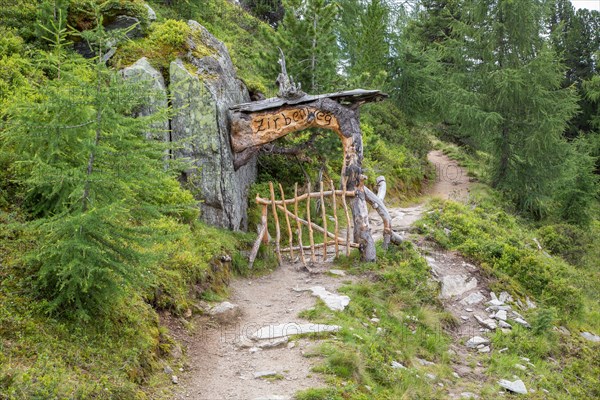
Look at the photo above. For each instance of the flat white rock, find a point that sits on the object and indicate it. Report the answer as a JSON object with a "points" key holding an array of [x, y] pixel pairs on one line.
{"points": [[504, 297], [456, 285], [337, 272], [516, 387], [591, 337], [521, 321], [504, 325], [397, 365], [271, 344], [473, 298], [476, 341], [283, 330], [335, 302], [487, 323], [424, 362], [501, 315]]}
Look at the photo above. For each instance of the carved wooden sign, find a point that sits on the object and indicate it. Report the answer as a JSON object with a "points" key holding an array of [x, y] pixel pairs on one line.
{"points": [[270, 125], [291, 120]]}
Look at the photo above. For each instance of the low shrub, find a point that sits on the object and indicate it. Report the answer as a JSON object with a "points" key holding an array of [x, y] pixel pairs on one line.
{"points": [[497, 240]]}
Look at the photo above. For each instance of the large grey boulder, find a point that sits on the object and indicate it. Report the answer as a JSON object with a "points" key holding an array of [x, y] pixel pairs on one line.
{"points": [[142, 71], [202, 90]]}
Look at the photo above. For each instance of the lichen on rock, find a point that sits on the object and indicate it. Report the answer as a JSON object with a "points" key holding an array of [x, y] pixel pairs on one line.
{"points": [[201, 102]]}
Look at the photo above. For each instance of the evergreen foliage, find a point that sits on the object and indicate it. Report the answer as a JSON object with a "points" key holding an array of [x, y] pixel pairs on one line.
{"points": [[91, 180], [309, 43], [501, 87], [575, 36]]}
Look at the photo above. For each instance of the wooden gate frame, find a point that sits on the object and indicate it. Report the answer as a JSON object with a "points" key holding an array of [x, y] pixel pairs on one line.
{"points": [[374, 199]]}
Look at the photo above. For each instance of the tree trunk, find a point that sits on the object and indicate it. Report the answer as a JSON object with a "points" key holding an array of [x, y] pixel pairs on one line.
{"points": [[504, 158]]}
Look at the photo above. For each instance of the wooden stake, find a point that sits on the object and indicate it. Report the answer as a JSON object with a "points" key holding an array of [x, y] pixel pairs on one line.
{"points": [[324, 217], [335, 218], [345, 205], [315, 227], [287, 220], [277, 229], [256, 246], [298, 224], [264, 222], [310, 229]]}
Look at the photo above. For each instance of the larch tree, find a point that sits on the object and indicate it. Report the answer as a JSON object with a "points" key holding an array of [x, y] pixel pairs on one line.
{"points": [[309, 43], [93, 184], [490, 73]]}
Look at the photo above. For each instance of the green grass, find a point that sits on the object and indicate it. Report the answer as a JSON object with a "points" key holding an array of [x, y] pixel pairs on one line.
{"points": [[116, 356], [567, 366], [357, 363]]}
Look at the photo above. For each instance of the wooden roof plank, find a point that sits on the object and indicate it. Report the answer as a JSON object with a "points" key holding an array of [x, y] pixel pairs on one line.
{"points": [[351, 96]]}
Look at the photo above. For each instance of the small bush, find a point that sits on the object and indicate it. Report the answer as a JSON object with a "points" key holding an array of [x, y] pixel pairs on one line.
{"points": [[563, 240]]}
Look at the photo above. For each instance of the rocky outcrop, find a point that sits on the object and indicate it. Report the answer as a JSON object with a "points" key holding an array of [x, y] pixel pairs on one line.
{"points": [[203, 87], [140, 72]]}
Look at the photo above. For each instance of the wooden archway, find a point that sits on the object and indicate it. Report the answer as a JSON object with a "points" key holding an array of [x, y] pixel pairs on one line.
{"points": [[258, 123]]}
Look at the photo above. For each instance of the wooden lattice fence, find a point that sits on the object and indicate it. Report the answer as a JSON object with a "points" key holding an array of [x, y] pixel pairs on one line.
{"points": [[295, 224]]}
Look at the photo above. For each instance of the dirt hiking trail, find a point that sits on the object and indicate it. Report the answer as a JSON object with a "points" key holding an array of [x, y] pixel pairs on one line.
{"points": [[225, 362]]}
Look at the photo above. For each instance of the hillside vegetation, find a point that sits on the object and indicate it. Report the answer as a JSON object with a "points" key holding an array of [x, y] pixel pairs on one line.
{"points": [[100, 245]]}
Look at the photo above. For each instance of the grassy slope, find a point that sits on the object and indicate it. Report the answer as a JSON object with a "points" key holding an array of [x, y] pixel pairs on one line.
{"points": [[112, 357], [563, 278], [357, 363], [119, 356]]}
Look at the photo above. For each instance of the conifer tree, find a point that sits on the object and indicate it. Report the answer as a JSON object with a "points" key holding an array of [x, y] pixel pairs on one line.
{"points": [[91, 179], [498, 81], [575, 36], [310, 43], [372, 50]]}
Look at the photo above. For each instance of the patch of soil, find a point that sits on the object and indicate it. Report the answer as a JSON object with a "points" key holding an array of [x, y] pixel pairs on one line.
{"points": [[220, 367]]}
